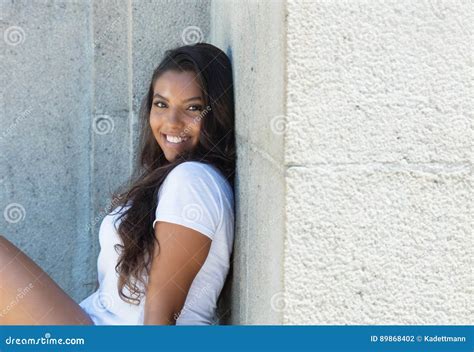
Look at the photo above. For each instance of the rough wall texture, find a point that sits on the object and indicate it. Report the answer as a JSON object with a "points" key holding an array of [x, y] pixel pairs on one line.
{"points": [[46, 75], [73, 75], [354, 137], [379, 153], [252, 33]]}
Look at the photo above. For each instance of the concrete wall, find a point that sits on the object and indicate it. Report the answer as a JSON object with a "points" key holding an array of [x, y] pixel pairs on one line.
{"points": [[253, 34], [75, 73], [46, 74], [354, 137], [355, 148], [379, 163]]}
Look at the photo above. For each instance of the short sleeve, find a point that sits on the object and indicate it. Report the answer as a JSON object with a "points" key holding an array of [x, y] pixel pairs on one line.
{"points": [[190, 196]]}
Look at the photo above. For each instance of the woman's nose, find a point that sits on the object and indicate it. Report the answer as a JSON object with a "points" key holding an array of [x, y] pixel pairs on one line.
{"points": [[172, 117]]}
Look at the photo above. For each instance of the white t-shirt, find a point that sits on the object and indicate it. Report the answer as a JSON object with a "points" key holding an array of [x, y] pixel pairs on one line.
{"points": [[195, 195]]}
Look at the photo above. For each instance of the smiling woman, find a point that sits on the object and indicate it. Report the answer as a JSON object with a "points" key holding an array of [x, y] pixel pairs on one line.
{"points": [[174, 120], [165, 249], [172, 238]]}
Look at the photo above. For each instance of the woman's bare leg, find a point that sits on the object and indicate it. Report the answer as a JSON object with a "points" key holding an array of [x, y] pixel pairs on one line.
{"points": [[28, 295]]}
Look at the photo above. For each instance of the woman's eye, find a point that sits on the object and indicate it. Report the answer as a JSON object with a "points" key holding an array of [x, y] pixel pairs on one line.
{"points": [[195, 107], [157, 104]]}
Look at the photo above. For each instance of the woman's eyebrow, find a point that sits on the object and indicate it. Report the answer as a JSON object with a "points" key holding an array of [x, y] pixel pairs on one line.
{"points": [[185, 100]]}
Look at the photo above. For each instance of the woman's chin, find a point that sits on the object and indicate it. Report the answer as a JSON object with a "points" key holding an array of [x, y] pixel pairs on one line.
{"points": [[171, 156]]}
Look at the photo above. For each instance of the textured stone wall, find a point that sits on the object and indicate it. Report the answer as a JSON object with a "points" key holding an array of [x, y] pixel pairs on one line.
{"points": [[73, 75], [354, 139], [379, 162], [252, 33]]}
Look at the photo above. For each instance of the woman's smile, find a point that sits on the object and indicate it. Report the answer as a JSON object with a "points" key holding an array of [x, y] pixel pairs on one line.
{"points": [[175, 115], [174, 141]]}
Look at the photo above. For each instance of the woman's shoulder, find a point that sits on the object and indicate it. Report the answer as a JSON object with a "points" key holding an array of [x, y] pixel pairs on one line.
{"points": [[193, 166], [198, 191], [197, 171]]}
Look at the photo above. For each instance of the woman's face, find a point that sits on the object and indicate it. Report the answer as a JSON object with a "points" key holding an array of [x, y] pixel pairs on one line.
{"points": [[175, 115]]}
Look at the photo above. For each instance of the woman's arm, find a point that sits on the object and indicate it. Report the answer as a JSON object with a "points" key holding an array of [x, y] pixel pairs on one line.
{"points": [[176, 262]]}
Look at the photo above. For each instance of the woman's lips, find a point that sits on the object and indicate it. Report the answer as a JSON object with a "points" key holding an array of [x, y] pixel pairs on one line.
{"points": [[171, 144]]}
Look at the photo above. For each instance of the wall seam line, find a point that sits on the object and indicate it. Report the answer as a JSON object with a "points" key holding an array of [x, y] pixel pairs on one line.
{"points": [[130, 83]]}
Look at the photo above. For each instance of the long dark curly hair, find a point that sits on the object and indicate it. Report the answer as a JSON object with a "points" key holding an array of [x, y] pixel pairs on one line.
{"points": [[216, 147]]}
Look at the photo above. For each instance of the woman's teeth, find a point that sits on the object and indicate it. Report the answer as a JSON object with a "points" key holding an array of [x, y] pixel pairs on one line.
{"points": [[175, 139]]}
